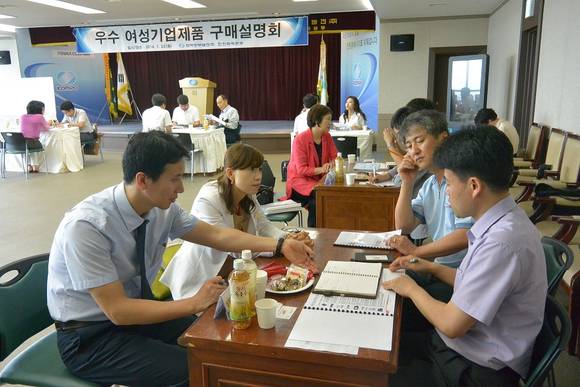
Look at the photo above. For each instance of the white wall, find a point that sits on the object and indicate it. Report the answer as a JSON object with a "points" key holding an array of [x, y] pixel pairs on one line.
{"points": [[11, 70], [558, 91], [503, 41], [405, 75]]}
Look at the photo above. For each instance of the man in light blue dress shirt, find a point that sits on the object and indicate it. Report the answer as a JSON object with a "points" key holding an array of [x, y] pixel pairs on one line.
{"points": [[485, 334], [109, 330]]}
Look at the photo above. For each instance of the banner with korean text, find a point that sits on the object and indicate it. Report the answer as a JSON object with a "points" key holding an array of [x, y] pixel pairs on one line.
{"points": [[202, 35], [359, 72]]}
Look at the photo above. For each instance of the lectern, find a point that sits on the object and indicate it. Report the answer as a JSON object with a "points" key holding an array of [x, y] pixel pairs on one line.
{"points": [[200, 93]]}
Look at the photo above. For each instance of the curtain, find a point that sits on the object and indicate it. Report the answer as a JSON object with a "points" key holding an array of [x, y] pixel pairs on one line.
{"points": [[262, 83]]}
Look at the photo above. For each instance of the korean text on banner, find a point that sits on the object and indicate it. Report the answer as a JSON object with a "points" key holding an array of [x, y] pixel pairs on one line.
{"points": [[321, 86], [200, 35], [123, 102]]}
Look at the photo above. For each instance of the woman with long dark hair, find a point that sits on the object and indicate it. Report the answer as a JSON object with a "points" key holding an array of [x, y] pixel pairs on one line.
{"points": [[353, 117]]}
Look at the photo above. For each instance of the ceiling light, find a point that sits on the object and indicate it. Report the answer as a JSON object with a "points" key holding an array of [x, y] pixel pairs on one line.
{"points": [[303, 1], [6, 17], [7, 28], [68, 6], [185, 3]]}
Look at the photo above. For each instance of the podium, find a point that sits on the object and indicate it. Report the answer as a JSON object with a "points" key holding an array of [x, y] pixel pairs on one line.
{"points": [[200, 93]]}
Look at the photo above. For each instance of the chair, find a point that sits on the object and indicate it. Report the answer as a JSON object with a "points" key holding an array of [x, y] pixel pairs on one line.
{"points": [[551, 340], [15, 143], [268, 182], [534, 152], [553, 162], [559, 258], [24, 314], [95, 140], [185, 140], [574, 343], [346, 145], [160, 291]]}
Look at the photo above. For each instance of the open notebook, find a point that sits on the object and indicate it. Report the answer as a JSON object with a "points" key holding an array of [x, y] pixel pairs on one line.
{"points": [[369, 240], [356, 279]]}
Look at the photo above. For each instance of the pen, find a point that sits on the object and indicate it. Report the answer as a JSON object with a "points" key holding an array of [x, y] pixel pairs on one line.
{"points": [[414, 260]]}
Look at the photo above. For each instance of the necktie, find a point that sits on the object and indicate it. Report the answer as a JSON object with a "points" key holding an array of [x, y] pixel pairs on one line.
{"points": [[140, 239]]}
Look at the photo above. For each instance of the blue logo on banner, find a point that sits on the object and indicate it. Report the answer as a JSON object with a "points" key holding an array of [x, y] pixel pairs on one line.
{"points": [[67, 81], [356, 75]]}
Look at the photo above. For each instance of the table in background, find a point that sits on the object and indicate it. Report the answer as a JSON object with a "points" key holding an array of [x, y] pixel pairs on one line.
{"points": [[218, 355], [356, 207], [364, 140], [62, 147], [212, 142]]}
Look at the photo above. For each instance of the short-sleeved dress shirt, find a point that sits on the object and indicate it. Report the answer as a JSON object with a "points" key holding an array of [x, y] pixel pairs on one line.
{"points": [[502, 283], [155, 118], [79, 115], [185, 117], [94, 245], [431, 206]]}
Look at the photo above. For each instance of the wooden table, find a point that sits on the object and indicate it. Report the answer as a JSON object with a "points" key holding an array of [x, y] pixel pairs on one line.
{"points": [[356, 207], [218, 355]]}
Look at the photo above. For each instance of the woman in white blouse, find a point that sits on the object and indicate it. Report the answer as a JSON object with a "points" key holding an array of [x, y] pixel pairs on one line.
{"points": [[353, 117], [229, 201]]}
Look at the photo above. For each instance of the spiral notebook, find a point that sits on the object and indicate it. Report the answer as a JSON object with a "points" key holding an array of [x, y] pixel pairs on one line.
{"points": [[355, 279], [368, 240]]}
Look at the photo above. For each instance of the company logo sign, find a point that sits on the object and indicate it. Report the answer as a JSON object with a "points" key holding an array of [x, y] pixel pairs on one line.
{"points": [[66, 81]]}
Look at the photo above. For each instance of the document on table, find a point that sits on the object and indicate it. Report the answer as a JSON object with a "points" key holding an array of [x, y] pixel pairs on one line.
{"points": [[343, 324], [214, 118]]}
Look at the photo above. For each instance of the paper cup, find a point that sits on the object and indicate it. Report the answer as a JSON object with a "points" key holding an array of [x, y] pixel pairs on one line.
{"points": [[351, 159], [266, 311], [350, 178], [261, 279]]}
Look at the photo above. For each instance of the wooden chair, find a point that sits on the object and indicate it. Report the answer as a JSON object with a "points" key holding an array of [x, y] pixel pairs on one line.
{"points": [[534, 152], [553, 162]]}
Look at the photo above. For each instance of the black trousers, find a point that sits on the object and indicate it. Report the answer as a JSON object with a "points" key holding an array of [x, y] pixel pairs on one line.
{"points": [[413, 319], [309, 201], [425, 360], [138, 355]]}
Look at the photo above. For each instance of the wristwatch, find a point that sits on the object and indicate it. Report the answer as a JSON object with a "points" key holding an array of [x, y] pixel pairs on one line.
{"points": [[278, 250]]}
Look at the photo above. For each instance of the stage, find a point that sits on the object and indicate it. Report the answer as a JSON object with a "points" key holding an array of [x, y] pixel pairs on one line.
{"points": [[268, 136]]}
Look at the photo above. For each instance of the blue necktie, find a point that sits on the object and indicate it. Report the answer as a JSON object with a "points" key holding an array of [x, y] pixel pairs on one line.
{"points": [[146, 292]]}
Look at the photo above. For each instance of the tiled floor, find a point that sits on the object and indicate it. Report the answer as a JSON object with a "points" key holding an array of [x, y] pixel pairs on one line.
{"points": [[31, 210]]}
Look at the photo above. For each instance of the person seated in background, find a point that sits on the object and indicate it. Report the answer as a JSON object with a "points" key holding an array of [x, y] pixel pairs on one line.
{"points": [[312, 156], [300, 124], [157, 117], [488, 116], [185, 114], [77, 117], [423, 132], [31, 124], [106, 251], [230, 116], [484, 336], [228, 202], [353, 117], [417, 104]]}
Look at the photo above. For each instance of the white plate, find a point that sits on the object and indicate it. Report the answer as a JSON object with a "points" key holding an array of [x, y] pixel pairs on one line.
{"points": [[308, 284]]}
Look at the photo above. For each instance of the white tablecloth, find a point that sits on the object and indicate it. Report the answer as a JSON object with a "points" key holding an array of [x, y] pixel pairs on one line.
{"points": [[62, 147], [364, 140], [213, 144]]}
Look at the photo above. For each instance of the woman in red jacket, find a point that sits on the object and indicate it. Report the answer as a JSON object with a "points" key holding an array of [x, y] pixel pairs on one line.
{"points": [[313, 153]]}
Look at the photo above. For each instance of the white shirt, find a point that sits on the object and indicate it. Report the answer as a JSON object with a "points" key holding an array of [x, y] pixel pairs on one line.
{"points": [[80, 115], [300, 122], [155, 118], [355, 120], [194, 264], [510, 131], [185, 117], [231, 116]]}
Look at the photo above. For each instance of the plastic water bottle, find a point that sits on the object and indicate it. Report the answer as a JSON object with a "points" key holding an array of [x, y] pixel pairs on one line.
{"points": [[339, 168], [250, 267], [239, 281]]}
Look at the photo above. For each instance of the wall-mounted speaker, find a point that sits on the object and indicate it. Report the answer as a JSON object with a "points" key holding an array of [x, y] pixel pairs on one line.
{"points": [[404, 42], [5, 58]]}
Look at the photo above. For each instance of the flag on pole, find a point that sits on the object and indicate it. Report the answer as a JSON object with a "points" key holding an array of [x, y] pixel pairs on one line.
{"points": [[321, 86], [109, 88], [123, 102]]}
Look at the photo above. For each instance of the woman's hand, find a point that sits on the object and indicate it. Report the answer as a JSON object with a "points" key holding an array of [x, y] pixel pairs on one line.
{"points": [[302, 236], [402, 244], [299, 253], [323, 169], [390, 137]]}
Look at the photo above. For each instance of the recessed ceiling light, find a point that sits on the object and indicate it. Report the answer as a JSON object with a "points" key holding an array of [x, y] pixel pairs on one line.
{"points": [[303, 1], [436, 4], [185, 3], [276, 13], [6, 17], [68, 6], [7, 28]]}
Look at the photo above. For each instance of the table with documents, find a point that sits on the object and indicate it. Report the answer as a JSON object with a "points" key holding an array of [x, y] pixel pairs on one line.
{"points": [[218, 355]]}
